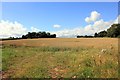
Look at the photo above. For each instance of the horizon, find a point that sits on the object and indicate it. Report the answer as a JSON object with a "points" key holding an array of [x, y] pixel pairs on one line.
{"points": [[65, 19]]}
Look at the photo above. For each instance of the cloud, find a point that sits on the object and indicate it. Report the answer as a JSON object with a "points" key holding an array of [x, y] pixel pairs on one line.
{"points": [[13, 29], [117, 20], [87, 30], [93, 17], [97, 26], [56, 26], [33, 29], [73, 33], [69, 32], [90, 29], [102, 25]]}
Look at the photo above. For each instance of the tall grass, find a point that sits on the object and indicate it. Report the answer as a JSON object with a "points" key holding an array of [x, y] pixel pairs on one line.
{"points": [[57, 62]]}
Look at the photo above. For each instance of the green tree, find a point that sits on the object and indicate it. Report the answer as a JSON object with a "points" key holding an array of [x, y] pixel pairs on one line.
{"points": [[95, 35], [114, 30], [102, 34]]}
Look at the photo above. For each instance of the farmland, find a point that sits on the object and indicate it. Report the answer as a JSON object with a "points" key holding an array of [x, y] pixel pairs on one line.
{"points": [[60, 57]]}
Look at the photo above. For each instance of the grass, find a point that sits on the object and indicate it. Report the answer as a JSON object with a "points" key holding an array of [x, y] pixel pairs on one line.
{"points": [[21, 61]]}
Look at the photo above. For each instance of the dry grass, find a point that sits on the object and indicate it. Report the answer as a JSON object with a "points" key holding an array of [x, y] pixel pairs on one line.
{"points": [[67, 42], [61, 57]]}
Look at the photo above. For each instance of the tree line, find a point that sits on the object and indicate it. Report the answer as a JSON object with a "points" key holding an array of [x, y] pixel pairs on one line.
{"points": [[38, 35], [113, 32], [31, 35]]}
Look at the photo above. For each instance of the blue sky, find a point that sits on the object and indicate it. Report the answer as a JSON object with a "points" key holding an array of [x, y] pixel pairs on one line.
{"points": [[44, 15]]}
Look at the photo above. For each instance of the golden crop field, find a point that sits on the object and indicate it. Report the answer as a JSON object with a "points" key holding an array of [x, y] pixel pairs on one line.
{"points": [[60, 58]]}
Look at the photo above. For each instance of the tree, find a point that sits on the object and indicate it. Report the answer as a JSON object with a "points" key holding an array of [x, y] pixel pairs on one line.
{"points": [[29, 35], [95, 35], [53, 36], [38, 35], [114, 30], [24, 37], [44, 35], [48, 34], [102, 34]]}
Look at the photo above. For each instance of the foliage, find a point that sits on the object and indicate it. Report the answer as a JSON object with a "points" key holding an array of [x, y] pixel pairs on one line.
{"points": [[102, 34], [86, 36], [87, 72], [38, 35], [32, 35], [95, 35], [113, 31]]}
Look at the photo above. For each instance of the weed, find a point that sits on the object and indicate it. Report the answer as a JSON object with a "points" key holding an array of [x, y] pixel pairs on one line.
{"points": [[56, 60], [89, 62], [109, 65], [87, 72]]}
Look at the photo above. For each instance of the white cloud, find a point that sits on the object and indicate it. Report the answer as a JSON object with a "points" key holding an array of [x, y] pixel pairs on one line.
{"points": [[117, 20], [90, 29], [102, 25], [93, 17], [69, 32], [33, 29], [56, 26], [75, 32], [87, 30], [13, 29]]}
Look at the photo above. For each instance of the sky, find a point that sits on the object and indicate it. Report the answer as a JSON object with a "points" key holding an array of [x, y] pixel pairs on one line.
{"points": [[65, 19], [60, 0]]}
